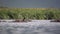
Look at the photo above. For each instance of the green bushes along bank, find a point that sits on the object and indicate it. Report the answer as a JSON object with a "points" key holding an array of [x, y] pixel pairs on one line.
{"points": [[29, 13]]}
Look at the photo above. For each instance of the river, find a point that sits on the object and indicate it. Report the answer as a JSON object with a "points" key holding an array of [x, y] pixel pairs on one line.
{"points": [[34, 27]]}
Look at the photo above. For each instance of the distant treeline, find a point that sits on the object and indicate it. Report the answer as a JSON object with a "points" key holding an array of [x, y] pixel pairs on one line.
{"points": [[3, 7], [29, 13]]}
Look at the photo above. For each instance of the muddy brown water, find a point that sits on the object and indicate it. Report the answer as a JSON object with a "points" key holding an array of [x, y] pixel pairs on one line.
{"points": [[34, 27]]}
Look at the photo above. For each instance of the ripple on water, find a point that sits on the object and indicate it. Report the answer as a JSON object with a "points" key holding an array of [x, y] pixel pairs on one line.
{"points": [[34, 27]]}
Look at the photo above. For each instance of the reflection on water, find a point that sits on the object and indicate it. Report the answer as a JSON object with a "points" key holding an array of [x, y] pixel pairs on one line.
{"points": [[34, 27]]}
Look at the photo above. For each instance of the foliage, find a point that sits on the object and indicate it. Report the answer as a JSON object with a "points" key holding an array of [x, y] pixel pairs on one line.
{"points": [[29, 13]]}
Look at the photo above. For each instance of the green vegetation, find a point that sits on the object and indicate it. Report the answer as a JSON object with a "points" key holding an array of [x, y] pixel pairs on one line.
{"points": [[29, 13]]}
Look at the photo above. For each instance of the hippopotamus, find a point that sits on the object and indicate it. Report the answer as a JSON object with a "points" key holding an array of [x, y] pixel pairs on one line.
{"points": [[23, 20], [55, 20]]}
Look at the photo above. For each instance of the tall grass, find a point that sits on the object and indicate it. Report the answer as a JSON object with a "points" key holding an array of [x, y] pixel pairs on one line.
{"points": [[29, 13]]}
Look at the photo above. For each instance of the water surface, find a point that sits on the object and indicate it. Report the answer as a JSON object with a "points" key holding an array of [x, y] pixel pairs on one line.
{"points": [[34, 27]]}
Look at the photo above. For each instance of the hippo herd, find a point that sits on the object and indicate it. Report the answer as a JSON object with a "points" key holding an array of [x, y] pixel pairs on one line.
{"points": [[17, 20], [27, 20]]}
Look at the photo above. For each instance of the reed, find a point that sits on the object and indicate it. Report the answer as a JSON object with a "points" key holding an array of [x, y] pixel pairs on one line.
{"points": [[29, 13]]}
